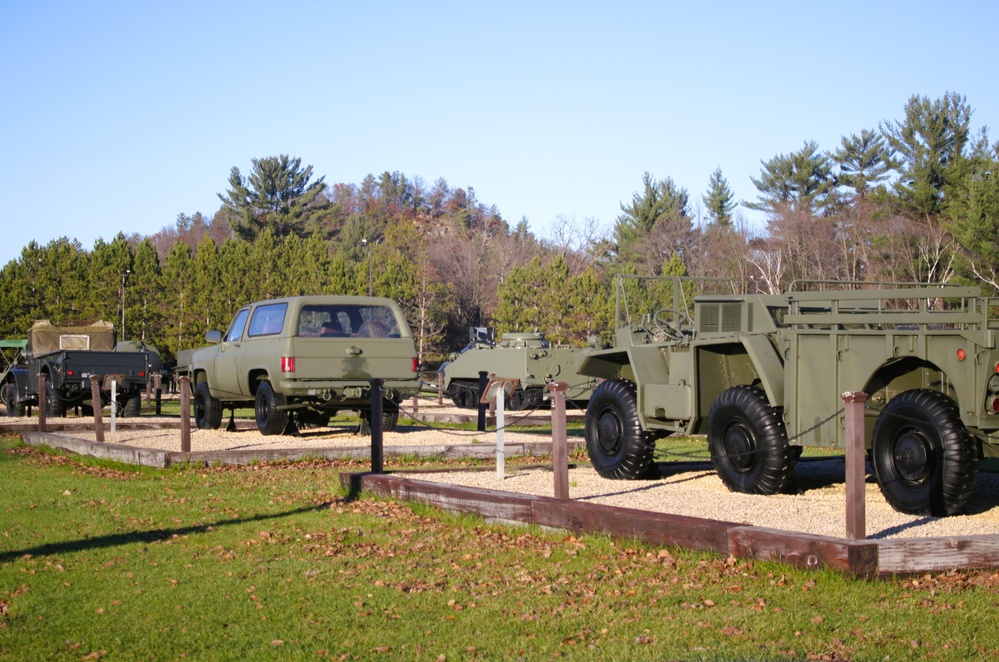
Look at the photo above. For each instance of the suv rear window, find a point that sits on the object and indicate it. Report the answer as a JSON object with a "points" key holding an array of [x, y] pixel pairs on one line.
{"points": [[348, 321]]}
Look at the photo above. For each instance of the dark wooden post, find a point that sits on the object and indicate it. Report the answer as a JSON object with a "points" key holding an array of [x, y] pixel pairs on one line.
{"points": [[185, 415], [377, 408], [158, 386], [492, 403], [560, 450], [149, 388], [95, 398], [440, 387], [43, 403], [856, 514], [483, 382]]}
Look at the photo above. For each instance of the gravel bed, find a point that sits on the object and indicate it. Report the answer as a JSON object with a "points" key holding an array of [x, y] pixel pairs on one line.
{"points": [[686, 488]]}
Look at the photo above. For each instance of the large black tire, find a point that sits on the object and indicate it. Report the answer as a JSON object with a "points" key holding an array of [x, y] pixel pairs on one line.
{"points": [[271, 416], [617, 446], [207, 409], [55, 406], [10, 396], [924, 459], [310, 420], [132, 406], [748, 442], [390, 416]]}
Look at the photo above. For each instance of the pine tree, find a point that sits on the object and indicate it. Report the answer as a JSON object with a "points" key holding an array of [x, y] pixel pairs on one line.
{"points": [[277, 194], [719, 199], [799, 181], [863, 162]]}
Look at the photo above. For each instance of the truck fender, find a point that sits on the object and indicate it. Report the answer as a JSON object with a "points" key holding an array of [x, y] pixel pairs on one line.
{"points": [[768, 365]]}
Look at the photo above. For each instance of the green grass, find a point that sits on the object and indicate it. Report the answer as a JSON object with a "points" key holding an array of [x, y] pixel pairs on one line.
{"points": [[271, 562]]}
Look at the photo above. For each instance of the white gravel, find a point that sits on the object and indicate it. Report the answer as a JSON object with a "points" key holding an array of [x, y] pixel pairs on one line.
{"points": [[687, 489]]}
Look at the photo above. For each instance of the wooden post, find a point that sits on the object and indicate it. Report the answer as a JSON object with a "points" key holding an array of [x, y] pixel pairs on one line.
{"points": [[185, 415], [492, 403], [43, 403], [856, 514], [377, 409], [560, 450], [158, 386], [149, 388], [440, 388], [95, 398], [416, 404]]}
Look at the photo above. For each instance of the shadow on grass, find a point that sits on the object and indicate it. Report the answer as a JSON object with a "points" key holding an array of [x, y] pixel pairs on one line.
{"points": [[154, 535]]}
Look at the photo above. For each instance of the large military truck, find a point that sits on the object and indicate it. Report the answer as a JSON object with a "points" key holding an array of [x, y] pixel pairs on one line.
{"points": [[67, 356], [762, 377], [299, 360], [528, 357]]}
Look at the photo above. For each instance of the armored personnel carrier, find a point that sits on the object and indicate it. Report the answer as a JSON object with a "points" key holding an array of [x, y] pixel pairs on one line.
{"points": [[528, 357]]}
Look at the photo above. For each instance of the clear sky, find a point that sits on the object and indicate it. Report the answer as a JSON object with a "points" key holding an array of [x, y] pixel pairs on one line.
{"points": [[118, 116]]}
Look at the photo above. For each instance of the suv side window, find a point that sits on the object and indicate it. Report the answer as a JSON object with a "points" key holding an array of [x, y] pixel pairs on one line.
{"points": [[268, 320], [236, 330]]}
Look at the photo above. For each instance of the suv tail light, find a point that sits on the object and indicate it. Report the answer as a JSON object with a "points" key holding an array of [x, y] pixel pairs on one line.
{"points": [[287, 364], [416, 364]]}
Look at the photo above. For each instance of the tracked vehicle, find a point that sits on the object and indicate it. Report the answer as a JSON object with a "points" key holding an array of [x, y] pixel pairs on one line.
{"points": [[762, 375], [525, 356]]}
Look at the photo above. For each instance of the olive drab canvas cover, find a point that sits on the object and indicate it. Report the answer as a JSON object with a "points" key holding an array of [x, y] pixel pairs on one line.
{"points": [[45, 337]]}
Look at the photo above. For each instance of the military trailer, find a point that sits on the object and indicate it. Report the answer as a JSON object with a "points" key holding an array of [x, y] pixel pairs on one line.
{"points": [[300, 360], [67, 356], [528, 357], [762, 376]]}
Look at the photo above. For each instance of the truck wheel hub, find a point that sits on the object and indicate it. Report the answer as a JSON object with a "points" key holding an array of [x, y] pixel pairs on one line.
{"points": [[911, 456]]}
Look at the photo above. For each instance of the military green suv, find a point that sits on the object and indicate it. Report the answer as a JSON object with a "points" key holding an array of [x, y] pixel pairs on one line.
{"points": [[299, 360]]}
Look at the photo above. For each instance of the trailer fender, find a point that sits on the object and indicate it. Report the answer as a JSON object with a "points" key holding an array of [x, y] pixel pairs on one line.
{"points": [[768, 365]]}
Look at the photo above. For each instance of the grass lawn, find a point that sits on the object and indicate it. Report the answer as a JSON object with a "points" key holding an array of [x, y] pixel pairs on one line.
{"points": [[99, 560]]}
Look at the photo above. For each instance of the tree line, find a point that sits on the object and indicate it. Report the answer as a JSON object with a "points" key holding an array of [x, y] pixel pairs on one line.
{"points": [[912, 200]]}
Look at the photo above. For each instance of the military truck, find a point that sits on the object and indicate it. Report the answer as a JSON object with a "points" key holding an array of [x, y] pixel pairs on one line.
{"points": [[67, 356], [299, 360], [762, 376], [525, 356]]}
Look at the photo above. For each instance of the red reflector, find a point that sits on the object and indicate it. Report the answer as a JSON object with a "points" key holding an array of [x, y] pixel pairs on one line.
{"points": [[416, 364], [961, 354], [142, 373], [70, 372], [995, 405], [287, 364]]}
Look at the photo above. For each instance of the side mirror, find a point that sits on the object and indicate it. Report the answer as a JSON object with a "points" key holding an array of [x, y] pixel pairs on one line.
{"points": [[213, 336]]}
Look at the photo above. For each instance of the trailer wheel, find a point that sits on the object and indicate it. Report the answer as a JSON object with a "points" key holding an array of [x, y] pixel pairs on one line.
{"points": [[748, 442], [614, 439], [207, 409], [271, 418], [924, 459], [10, 396]]}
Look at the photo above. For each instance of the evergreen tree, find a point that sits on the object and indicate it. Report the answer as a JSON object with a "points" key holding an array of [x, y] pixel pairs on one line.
{"points": [[145, 290], [277, 194], [929, 142], [975, 224], [719, 200], [863, 162], [799, 181], [657, 200], [178, 288], [107, 282]]}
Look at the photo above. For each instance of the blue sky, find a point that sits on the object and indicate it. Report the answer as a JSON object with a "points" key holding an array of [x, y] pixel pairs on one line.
{"points": [[118, 116]]}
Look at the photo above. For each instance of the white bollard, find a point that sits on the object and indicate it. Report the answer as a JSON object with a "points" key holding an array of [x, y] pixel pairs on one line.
{"points": [[500, 442], [114, 403]]}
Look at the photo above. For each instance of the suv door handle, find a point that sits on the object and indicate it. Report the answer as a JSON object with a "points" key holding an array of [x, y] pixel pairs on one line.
{"points": [[354, 350]]}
